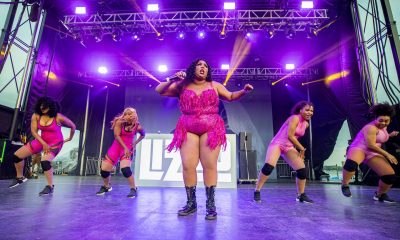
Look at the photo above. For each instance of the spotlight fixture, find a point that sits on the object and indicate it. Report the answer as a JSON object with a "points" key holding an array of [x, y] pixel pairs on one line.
{"points": [[290, 32]]}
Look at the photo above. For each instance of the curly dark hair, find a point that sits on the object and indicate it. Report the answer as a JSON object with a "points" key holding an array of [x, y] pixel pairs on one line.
{"points": [[382, 109], [46, 102], [298, 106], [191, 74]]}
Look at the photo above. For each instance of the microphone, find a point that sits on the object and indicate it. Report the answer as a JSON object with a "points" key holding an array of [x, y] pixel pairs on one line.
{"points": [[175, 77]]}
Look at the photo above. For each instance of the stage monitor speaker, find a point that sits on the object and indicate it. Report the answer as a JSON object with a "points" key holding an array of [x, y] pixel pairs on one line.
{"points": [[248, 165], [7, 169], [245, 141]]}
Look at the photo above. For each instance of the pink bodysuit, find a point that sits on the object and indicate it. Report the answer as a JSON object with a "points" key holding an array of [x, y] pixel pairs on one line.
{"points": [[199, 116], [361, 143], [281, 138], [116, 151], [52, 135]]}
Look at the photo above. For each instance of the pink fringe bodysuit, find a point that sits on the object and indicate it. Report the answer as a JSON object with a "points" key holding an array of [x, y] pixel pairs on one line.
{"points": [[199, 116]]}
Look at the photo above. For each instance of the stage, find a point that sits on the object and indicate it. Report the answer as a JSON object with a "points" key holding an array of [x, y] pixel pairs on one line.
{"points": [[75, 212]]}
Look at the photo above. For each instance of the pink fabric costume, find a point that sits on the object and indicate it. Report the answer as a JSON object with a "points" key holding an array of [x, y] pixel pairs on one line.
{"points": [[116, 151], [281, 138], [52, 135], [361, 143], [199, 116]]}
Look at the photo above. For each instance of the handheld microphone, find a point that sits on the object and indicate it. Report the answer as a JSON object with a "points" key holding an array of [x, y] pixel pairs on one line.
{"points": [[175, 77]]}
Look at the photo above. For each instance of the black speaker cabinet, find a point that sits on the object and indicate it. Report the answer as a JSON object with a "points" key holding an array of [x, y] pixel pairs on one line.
{"points": [[248, 166], [245, 141]]}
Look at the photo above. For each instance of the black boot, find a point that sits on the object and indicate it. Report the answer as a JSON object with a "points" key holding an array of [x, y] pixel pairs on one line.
{"points": [[191, 204], [211, 212]]}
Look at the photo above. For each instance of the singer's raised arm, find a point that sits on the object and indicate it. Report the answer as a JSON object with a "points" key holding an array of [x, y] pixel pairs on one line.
{"points": [[168, 89]]}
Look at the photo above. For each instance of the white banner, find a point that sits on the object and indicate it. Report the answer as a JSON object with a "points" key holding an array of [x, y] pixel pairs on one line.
{"points": [[155, 166]]}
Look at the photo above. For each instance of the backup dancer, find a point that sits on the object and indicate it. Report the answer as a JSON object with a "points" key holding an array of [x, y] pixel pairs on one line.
{"points": [[200, 131], [48, 120], [125, 127], [366, 147], [285, 144]]}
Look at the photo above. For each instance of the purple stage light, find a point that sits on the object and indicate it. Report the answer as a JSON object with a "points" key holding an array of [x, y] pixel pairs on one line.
{"points": [[80, 10], [229, 5], [307, 4], [162, 68], [286, 85], [225, 66], [201, 34], [289, 66], [152, 7], [102, 70]]}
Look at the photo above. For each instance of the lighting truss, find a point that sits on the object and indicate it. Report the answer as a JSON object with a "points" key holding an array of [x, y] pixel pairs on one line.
{"points": [[258, 74], [236, 20]]}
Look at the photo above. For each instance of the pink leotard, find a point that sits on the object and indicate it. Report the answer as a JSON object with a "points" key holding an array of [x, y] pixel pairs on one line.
{"points": [[199, 116], [52, 135], [281, 138], [116, 151], [360, 142]]}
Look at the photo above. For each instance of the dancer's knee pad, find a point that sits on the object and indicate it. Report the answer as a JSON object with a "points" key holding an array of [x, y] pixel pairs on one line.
{"points": [[17, 159], [46, 165], [126, 171], [350, 165], [267, 169], [104, 174], [388, 179], [301, 173]]}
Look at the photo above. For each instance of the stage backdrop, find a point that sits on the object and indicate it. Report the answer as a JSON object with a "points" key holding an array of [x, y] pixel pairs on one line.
{"points": [[155, 166]]}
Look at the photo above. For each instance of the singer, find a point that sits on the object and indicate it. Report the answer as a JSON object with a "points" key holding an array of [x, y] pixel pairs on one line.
{"points": [[200, 131], [285, 143]]}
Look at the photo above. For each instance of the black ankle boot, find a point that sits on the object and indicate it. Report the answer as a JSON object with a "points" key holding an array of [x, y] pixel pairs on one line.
{"points": [[211, 212], [191, 204]]}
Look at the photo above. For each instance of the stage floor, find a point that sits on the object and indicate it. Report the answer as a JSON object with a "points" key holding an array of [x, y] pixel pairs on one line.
{"points": [[75, 212]]}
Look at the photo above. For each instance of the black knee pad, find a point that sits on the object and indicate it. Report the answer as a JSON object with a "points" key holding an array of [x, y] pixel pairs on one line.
{"points": [[17, 159], [301, 173], [46, 165], [388, 179], [267, 169], [104, 174], [350, 165], [126, 171]]}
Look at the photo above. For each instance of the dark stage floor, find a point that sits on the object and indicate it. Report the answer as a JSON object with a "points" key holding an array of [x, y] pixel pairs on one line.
{"points": [[75, 212]]}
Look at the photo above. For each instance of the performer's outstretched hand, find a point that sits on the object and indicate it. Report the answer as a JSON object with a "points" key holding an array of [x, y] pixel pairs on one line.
{"points": [[248, 88]]}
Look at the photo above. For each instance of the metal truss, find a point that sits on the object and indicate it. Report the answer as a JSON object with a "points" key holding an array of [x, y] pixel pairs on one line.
{"points": [[375, 43], [258, 74], [189, 21]]}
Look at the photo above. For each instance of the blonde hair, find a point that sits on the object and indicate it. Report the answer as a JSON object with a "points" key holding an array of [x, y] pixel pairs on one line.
{"points": [[121, 116]]}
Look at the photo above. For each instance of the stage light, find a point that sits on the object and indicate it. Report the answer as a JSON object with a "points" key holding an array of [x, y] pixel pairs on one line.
{"points": [[225, 66], [162, 68], [152, 7], [307, 4], [160, 36], [290, 33], [289, 66], [201, 34], [248, 35], [98, 36], [270, 32], [222, 35], [80, 10], [229, 5], [311, 31], [116, 36], [136, 37], [102, 70], [286, 85]]}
